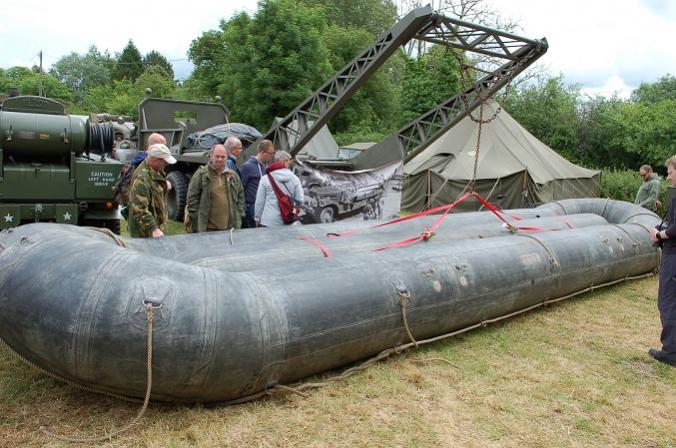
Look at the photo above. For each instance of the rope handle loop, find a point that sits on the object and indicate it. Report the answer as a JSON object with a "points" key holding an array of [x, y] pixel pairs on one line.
{"points": [[150, 307]]}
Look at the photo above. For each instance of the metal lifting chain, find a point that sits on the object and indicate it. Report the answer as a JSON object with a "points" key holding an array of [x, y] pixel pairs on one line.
{"points": [[146, 400], [472, 184], [464, 68]]}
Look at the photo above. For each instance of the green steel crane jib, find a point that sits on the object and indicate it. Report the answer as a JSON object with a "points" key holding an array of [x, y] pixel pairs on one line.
{"points": [[295, 130]]}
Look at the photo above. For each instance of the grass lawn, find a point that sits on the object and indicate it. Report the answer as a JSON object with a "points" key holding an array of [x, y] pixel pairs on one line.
{"points": [[574, 374]]}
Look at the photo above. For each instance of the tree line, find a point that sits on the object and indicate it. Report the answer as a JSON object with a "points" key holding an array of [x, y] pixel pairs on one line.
{"points": [[600, 132], [264, 64]]}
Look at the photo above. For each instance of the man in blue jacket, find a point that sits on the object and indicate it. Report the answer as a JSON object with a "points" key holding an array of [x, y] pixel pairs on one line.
{"points": [[252, 170], [233, 146]]}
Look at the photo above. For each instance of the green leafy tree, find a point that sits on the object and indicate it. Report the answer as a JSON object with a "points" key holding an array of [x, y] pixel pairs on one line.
{"points": [[630, 135], [31, 83], [49, 85], [155, 78], [374, 16], [429, 80], [209, 53], [597, 128], [129, 64], [374, 107], [265, 65], [14, 75], [622, 134], [123, 97], [649, 93], [119, 98], [154, 58], [81, 72], [549, 110]]}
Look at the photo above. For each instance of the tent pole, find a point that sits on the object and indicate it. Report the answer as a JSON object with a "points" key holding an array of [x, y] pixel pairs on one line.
{"points": [[434, 196], [488, 197], [429, 191]]}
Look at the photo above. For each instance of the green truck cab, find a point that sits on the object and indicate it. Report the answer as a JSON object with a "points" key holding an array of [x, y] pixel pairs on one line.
{"points": [[54, 166]]}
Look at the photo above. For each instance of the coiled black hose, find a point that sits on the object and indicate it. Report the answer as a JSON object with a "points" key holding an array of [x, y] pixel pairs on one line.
{"points": [[100, 138]]}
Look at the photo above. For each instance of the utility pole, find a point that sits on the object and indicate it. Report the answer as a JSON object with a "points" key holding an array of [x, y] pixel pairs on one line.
{"points": [[40, 83]]}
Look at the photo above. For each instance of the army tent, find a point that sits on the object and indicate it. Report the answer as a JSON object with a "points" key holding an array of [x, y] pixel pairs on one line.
{"points": [[321, 146], [515, 169]]}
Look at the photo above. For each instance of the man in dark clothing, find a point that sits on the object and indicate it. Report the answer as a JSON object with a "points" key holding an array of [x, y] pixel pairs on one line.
{"points": [[252, 170], [233, 146], [666, 294]]}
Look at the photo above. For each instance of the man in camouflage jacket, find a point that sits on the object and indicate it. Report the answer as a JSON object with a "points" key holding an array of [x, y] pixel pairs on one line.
{"points": [[147, 210]]}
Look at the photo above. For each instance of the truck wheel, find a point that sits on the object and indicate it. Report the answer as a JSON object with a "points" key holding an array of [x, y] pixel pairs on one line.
{"points": [[176, 197]]}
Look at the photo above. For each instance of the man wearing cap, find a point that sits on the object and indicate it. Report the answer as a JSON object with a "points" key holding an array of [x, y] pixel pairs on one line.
{"points": [[215, 196], [147, 210]]}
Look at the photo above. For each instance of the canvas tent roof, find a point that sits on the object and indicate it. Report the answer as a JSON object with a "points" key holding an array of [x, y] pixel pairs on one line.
{"points": [[321, 146], [507, 151]]}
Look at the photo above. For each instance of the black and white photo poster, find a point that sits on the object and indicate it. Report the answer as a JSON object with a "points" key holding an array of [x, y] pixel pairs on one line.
{"points": [[332, 195]]}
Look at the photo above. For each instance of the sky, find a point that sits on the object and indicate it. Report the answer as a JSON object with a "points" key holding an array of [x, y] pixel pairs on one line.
{"points": [[606, 46]]}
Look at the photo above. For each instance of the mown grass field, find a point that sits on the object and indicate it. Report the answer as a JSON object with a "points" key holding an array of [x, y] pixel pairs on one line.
{"points": [[575, 374]]}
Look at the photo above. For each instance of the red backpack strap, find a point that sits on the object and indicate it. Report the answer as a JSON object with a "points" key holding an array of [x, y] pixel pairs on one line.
{"points": [[278, 191]]}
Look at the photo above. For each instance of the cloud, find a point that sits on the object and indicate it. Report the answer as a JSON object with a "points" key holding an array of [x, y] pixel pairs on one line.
{"points": [[592, 42], [613, 85], [664, 8], [151, 24]]}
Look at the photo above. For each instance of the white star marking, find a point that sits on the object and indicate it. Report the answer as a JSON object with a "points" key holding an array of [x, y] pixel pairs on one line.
{"points": [[66, 216], [9, 218]]}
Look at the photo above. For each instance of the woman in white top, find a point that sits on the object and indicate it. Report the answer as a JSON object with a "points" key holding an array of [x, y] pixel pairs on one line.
{"points": [[267, 212]]}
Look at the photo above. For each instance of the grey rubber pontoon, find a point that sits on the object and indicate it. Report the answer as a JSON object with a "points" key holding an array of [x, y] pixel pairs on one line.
{"points": [[243, 312]]}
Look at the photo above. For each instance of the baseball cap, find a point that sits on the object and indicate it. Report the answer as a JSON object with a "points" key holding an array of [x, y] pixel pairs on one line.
{"points": [[161, 151]]}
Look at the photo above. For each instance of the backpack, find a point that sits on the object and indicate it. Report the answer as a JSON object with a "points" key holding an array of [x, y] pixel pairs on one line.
{"points": [[289, 212], [123, 184]]}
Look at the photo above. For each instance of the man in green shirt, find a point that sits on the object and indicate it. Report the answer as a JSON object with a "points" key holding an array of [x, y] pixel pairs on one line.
{"points": [[649, 192]]}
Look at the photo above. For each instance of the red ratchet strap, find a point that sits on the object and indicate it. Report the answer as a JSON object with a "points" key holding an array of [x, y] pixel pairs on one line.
{"points": [[496, 211], [316, 244], [428, 233], [403, 218], [432, 211], [544, 229]]}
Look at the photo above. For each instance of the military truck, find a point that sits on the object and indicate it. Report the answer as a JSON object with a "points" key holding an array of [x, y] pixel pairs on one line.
{"points": [[55, 166]]}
